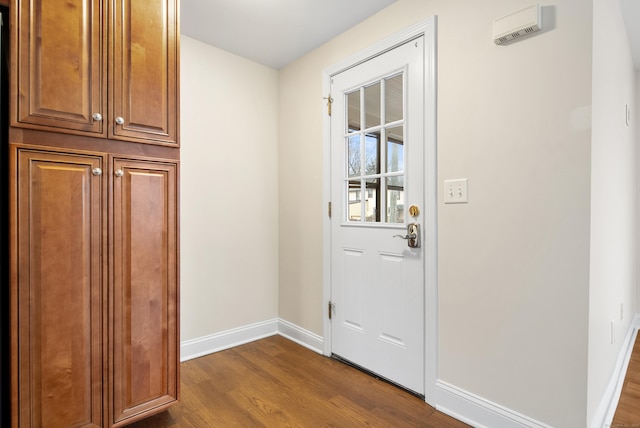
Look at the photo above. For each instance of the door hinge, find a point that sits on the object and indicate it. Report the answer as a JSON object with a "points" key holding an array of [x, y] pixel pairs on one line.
{"points": [[332, 308], [329, 209], [329, 102]]}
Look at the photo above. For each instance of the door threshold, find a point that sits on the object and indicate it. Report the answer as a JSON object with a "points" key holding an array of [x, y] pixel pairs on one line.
{"points": [[376, 375]]}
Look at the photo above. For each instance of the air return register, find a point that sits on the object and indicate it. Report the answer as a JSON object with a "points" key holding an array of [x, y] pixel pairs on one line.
{"points": [[517, 25]]}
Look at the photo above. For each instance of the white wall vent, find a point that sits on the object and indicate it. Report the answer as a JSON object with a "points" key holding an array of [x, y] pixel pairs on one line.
{"points": [[517, 24]]}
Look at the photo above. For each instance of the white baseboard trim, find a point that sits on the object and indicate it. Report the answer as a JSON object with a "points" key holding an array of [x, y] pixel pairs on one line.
{"points": [[609, 402], [301, 336], [477, 411], [216, 342]]}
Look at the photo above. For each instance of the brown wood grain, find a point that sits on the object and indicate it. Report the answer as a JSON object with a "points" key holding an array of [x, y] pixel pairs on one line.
{"points": [[143, 81], [628, 410], [275, 382], [80, 142], [145, 285], [60, 80], [59, 298], [60, 75], [60, 293]]}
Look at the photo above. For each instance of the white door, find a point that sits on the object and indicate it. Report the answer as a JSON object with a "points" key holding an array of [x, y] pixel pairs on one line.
{"points": [[377, 189]]}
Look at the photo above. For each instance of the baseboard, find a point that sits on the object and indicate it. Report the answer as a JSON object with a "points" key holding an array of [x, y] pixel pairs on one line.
{"points": [[609, 402], [477, 411], [216, 342], [206, 345], [301, 336]]}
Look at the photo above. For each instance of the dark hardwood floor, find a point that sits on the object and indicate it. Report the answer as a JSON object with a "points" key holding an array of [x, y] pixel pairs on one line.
{"points": [[274, 382], [628, 410]]}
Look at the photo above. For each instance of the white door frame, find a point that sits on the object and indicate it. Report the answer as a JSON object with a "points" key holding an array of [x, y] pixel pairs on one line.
{"points": [[427, 29]]}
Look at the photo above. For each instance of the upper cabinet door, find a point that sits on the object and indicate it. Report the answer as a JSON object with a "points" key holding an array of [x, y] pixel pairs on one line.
{"points": [[63, 82], [60, 84], [144, 79]]}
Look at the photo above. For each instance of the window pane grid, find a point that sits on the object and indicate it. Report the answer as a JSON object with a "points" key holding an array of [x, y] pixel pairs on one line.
{"points": [[374, 140]]}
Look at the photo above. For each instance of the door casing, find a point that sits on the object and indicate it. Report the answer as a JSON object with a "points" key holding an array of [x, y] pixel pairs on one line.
{"points": [[426, 28]]}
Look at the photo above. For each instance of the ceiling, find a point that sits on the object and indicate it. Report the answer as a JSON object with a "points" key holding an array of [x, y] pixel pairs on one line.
{"points": [[277, 32], [272, 32]]}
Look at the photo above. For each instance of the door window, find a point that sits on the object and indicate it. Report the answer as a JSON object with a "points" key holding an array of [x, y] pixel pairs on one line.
{"points": [[374, 170]]}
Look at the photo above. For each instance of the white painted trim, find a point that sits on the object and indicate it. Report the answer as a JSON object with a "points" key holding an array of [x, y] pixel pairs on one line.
{"points": [[391, 42], [609, 402], [431, 211], [479, 412], [216, 342], [326, 220], [426, 28], [205, 345], [300, 336]]}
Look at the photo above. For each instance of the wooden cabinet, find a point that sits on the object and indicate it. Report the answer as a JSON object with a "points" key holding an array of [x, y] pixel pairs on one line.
{"points": [[94, 230], [144, 292], [102, 68], [143, 82], [73, 328], [59, 299], [60, 79]]}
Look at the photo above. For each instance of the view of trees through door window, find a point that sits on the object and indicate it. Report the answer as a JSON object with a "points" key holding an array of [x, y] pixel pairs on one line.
{"points": [[374, 143]]}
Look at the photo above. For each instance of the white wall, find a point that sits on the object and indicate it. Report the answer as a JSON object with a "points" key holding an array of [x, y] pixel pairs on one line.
{"points": [[531, 271], [513, 286], [613, 198], [514, 262], [229, 191]]}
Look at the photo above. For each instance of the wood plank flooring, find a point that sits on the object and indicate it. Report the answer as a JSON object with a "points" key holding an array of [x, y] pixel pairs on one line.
{"points": [[274, 382], [628, 410]]}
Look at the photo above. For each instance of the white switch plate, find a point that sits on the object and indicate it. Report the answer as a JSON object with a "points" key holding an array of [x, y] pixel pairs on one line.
{"points": [[455, 191]]}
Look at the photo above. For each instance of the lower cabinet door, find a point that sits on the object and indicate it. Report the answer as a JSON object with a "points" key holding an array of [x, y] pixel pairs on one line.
{"points": [[144, 295], [57, 294]]}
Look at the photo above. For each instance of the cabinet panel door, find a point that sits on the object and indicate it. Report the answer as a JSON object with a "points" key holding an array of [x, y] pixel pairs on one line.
{"points": [[144, 81], [61, 80], [60, 276], [145, 288]]}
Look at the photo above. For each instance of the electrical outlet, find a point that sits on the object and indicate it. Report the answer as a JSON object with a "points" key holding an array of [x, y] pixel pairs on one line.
{"points": [[456, 191]]}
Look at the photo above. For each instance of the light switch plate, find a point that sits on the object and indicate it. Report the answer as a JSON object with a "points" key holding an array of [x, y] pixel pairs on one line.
{"points": [[455, 191]]}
